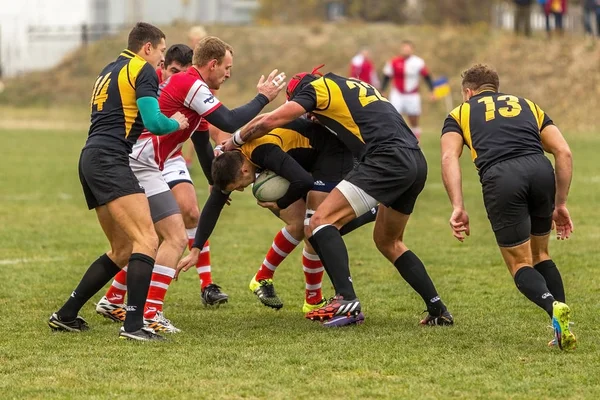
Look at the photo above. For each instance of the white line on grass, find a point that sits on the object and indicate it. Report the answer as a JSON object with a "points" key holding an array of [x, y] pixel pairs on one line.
{"points": [[29, 260]]}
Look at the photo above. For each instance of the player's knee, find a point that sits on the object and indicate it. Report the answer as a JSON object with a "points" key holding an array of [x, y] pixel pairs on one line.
{"points": [[148, 243], [296, 230], [191, 216], [120, 253], [384, 243]]}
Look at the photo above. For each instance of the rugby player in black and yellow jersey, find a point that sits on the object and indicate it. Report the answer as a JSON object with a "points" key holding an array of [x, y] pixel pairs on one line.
{"points": [[313, 161], [391, 171], [507, 136], [124, 100]]}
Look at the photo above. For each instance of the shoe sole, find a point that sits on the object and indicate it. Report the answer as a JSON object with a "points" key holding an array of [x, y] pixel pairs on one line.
{"points": [[58, 327], [216, 303], [108, 315], [126, 336], [560, 321], [344, 320]]}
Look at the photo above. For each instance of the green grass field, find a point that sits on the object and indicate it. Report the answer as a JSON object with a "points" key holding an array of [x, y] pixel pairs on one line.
{"points": [[496, 350]]}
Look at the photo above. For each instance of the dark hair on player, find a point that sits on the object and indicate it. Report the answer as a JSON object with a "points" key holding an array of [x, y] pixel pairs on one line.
{"points": [[143, 33], [210, 48], [227, 168], [180, 53], [480, 77]]}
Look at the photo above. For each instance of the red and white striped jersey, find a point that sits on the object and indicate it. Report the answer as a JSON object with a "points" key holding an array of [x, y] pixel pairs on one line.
{"points": [[187, 93], [406, 73]]}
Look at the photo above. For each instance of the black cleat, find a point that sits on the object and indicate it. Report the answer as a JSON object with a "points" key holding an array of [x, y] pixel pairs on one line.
{"points": [[77, 325], [213, 296], [265, 291], [444, 319], [142, 335]]}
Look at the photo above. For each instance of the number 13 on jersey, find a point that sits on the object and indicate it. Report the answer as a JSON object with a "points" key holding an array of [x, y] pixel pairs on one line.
{"points": [[512, 110]]}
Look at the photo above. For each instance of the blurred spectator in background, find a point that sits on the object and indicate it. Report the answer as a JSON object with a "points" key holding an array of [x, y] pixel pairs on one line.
{"points": [[195, 34], [557, 9], [591, 12], [361, 67], [405, 72], [523, 17]]}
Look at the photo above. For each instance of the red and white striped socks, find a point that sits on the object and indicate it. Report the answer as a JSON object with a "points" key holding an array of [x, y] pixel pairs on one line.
{"points": [[283, 244], [313, 275], [203, 265], [161, 279], [117, 290]]}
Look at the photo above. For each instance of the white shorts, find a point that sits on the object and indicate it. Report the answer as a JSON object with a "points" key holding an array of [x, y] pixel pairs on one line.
{"points": [[406, 104], [150, 177], [360, 201], [175, 170]]}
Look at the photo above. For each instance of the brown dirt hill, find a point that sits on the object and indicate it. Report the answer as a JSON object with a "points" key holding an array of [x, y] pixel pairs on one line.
{"points": [[563, 76]]}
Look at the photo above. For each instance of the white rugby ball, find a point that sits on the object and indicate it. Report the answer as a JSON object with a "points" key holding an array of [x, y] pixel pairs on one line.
{"points": [[269, 186]]}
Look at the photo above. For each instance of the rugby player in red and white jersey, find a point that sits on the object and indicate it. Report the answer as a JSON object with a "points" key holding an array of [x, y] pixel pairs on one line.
{"points": [[178, 58], [189, 93], [405, 72]]}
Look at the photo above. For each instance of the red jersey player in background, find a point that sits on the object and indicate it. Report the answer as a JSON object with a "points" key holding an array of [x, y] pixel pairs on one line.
{"points": [[362, 67], [189, 92], [405, 72]]}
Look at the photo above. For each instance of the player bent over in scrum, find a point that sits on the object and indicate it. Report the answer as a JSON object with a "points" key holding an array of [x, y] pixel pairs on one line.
{"points": [[313, 161], [188, 93], [391, 170], [123, 102], [507, 136]]}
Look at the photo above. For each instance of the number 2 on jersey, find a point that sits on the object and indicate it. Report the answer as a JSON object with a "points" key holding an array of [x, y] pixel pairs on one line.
{"points": [[363, 89], [99, 94], [512, 110]]}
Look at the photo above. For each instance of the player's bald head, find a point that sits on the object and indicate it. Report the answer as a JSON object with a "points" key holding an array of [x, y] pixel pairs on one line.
{"points": [[480, 77]]}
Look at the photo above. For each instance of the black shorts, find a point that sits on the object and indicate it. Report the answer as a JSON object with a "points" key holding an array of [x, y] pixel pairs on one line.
{"points": [[519, 198], [105, 176], [392, 175], [334, 161]]}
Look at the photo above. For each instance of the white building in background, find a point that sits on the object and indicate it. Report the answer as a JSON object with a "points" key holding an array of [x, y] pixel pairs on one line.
{"points": [[36, 34]]}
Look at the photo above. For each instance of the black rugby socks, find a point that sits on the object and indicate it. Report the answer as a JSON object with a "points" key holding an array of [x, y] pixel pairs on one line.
{"points": [[533, 285], [139, 275], [330, 247], [98, 274], [553, 279], [413, 271]]}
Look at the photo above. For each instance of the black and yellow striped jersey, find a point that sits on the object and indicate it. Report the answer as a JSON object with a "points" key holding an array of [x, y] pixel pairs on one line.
{"points": [[293, 138], [115, 121], [497, 127], [355, 111]]}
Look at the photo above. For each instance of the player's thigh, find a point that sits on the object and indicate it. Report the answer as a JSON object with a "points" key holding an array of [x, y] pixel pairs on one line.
{"points": [[505, 195], [339, 206], [172, 231], [120, 244], [517, 257], [389, 226], [542, 193], [132, 214], [163, 206], [185, 195]]}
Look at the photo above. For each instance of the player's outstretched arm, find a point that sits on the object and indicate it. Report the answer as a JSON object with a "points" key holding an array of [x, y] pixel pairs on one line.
{"points": [[208, 220], [265, 123], [452, 145], [554, 143]]}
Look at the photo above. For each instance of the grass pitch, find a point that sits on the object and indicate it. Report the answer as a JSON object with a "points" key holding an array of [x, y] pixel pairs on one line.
{"points": [[496, 350]]}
